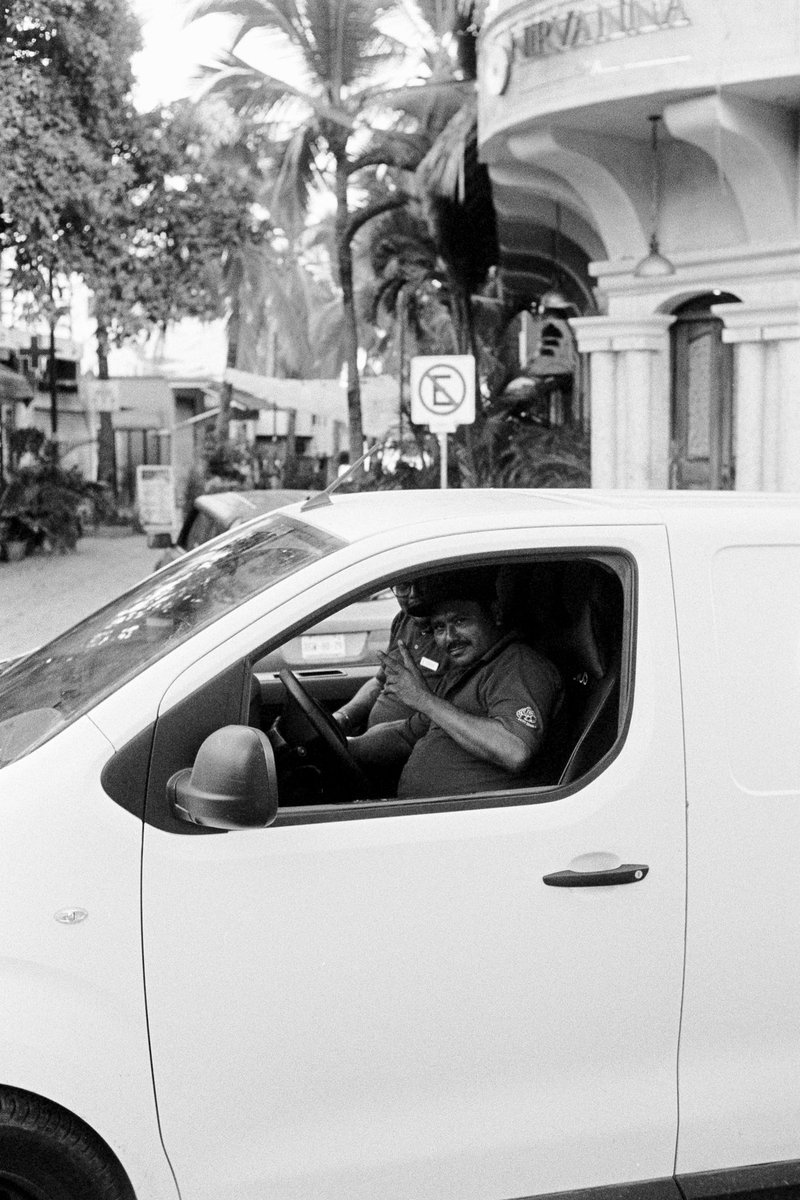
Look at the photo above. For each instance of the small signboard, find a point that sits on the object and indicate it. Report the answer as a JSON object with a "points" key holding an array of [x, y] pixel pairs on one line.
{"points": [[443, 391], [155, 498]]}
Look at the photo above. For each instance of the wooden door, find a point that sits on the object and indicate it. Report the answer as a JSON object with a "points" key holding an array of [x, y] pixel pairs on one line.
{"points": [[702, 404]]}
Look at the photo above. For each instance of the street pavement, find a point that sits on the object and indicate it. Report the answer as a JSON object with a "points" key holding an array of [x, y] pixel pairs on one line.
{"points": [[46, 593]]}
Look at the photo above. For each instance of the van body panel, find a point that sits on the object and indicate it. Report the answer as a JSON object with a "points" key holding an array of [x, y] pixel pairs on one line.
{"points": [[401, 1007], [72, 1016], [737, 584]]}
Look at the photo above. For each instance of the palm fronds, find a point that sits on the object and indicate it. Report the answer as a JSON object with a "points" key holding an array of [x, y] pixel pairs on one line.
{"points": [[511, 453]]}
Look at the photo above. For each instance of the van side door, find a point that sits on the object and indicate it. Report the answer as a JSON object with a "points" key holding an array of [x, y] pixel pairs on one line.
{"points": [[414, 1000]]}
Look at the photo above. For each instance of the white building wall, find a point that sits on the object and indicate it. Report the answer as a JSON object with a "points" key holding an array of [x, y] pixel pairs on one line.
{"points": [[565, 91]]}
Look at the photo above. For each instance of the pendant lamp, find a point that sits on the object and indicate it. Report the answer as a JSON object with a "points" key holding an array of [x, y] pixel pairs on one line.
{"points": [[654, 264], [554, 299]]}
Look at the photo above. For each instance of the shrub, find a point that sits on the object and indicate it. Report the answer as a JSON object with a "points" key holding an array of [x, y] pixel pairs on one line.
{"points": [[514, 453], [41, 504]]}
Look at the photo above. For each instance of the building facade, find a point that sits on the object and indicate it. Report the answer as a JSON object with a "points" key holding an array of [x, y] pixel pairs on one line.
{"points": [[614, 129]]}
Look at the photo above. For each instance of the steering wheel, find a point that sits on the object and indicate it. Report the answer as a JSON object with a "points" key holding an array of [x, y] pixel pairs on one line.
{"points": [[328, 731]]}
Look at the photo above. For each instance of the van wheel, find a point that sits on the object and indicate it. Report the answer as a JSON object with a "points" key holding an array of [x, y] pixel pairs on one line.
{"points": [[47, 1153]]}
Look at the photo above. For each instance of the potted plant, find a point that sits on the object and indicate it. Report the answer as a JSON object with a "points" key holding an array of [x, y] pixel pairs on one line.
{"points": [[40, 506], [15, 538]]}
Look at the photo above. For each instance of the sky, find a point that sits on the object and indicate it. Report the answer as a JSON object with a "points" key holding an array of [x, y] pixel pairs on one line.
{"points": [[170, 50]]}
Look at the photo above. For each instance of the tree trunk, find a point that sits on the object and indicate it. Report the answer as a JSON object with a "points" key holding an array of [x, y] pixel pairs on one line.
{"points": [[460, 314], [345, 264], [464, 328], [226, 395], [289, 476], [102, 349], [106, 447], [107, 453]]}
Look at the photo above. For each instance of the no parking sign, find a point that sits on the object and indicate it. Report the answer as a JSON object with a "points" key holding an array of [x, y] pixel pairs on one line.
{"points": [[443, 391], [443, 397]]}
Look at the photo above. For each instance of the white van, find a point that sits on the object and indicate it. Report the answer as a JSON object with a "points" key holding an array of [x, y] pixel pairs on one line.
{"points": [[232, 971]]}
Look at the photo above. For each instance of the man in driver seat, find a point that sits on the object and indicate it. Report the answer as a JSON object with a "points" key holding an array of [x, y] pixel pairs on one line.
{"points": [[485, 727], [372, 704]]}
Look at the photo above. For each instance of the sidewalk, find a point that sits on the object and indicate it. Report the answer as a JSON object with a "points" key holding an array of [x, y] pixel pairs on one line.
{"points": [[44, 594]]}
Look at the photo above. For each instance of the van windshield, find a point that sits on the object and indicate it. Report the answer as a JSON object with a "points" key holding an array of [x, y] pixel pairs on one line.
{"points": [[51, 687]]}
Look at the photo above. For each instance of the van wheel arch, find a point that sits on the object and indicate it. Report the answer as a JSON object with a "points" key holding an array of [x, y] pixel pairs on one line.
{"points": [[48, 1153]]}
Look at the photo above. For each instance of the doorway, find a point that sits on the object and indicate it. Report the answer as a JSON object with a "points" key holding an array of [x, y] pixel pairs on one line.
{"points": [[702, 449]]}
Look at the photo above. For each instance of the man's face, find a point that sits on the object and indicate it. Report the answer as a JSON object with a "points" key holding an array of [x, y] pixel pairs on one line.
{"points": [[464, 630], [409, 598]]}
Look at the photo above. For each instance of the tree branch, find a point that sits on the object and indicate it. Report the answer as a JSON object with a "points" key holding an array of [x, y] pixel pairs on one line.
{"points": [[405, 153], [373, 210]]}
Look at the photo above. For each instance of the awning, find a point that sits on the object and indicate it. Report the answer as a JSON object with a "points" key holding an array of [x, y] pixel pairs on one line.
{"points": [[13, 386]]}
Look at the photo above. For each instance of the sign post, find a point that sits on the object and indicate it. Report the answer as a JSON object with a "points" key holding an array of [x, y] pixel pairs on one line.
{"points": [[443, 397], [442, 460]]}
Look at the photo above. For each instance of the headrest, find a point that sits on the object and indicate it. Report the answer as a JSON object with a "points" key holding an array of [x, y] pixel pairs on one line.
{"points": [[476, 584], [558, 607], [527, 594], [574, 647]]}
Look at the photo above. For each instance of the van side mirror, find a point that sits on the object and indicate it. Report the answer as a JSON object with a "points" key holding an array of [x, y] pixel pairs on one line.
{"points": [[232, 785]]}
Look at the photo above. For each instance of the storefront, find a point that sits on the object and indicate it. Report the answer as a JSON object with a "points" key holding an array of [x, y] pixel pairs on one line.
{"points": [[643, 156]]}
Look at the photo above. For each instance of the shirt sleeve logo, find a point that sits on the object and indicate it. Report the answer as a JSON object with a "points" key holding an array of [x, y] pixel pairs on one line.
{"points": [[526, 716]]}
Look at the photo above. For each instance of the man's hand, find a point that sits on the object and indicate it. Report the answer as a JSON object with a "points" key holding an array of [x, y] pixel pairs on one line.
{"points": [[352, 717], [404, 680], [483, 736]]}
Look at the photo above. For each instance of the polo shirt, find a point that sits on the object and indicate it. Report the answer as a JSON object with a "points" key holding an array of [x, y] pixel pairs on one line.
{"points": [[511, 683], [420, 642]]}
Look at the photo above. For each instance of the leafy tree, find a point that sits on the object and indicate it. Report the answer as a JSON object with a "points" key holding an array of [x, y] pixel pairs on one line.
{"points": [[65, 80], [292, 316], [175, 245], [514, 453], [154, 211], [434, 278], [409, 282], [325, 120]]}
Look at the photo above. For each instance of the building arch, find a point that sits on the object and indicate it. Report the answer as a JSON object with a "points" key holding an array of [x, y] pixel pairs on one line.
{"points": [[753, 147], [536, 265], [609, 174], [546, 239]]}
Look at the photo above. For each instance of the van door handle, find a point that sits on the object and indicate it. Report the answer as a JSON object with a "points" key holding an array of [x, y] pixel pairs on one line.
{"points": [[626, 873]]}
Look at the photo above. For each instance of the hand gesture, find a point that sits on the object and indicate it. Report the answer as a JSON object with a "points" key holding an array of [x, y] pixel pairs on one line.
{"points": [[404, 680]]}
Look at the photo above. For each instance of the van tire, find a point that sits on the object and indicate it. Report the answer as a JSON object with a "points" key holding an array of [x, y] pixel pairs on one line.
{"points": [[47, 1153]]}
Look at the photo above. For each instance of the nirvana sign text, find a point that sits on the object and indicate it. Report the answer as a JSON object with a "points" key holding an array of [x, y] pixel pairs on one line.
{"points": [[569, 28]]}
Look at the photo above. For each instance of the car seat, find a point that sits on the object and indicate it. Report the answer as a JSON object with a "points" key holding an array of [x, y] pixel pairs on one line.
{"points": [[572, 613]]}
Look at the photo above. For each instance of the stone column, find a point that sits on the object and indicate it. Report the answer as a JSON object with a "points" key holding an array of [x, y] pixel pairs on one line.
{"points": [[602, 382], [789, 372], [629, 386], [748, 384], [766, 394]]}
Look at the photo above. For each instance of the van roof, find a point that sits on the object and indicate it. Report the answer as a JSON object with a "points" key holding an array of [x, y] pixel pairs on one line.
{"points": [[358, 515]]}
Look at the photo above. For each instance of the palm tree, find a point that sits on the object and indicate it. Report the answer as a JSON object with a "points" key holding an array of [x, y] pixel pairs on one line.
{"points": [[318, 116], [456, 244], [291, 320]]}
